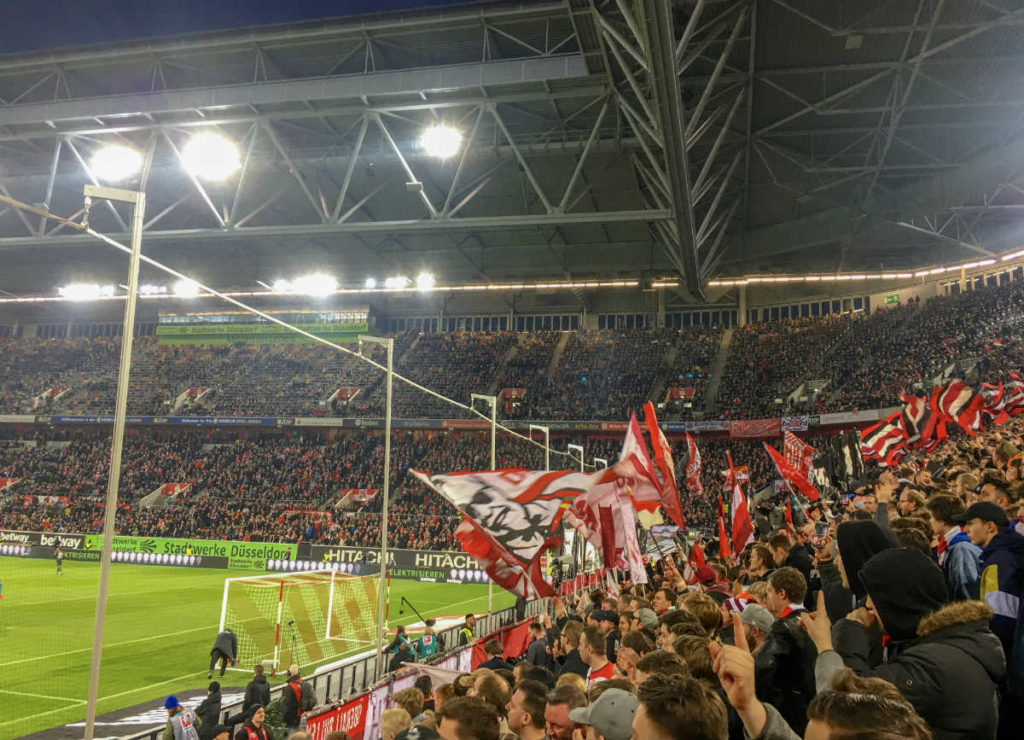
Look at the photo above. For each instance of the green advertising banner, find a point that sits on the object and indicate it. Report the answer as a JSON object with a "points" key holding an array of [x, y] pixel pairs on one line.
{"points": [[348, 331], [240, 555]]}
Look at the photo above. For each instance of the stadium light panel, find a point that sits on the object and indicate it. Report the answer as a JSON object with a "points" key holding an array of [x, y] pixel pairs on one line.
{"points": [[425, 282], [315, 284], [186, 289], [210, 156], [115, 163], [441, 141], [370, 283], [85, 291], [150, 290], [396, 283]]}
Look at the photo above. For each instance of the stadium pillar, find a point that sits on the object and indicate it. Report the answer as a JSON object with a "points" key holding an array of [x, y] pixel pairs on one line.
{"points": [[741, 314], [138, 199], [493, 401], [389, 345]]}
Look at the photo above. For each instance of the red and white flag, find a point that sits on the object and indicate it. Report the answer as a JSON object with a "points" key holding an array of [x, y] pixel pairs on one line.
{"points": [[797, 480], [799, 454], [695, 562], [958, 403], [512, 518], [742, 526], [884, 442]]}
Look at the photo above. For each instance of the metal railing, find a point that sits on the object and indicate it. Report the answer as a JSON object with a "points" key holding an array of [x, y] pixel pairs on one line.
{"points": [[356, 675]]}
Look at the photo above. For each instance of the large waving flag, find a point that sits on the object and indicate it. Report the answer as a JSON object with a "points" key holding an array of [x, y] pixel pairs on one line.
{"points": [[884, 442], [957, 402], [665, 467], [995, 402], [799, 454], [742, 526], [512, 518], [797, 481], [923, 425]]}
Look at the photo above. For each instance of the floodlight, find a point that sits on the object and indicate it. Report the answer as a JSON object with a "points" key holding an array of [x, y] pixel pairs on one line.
{"points": [[149, 289], [186, 289], [396, 283], [371, 283], [315, 284], [85, 291], [115, 162], [210, 156], [441, 141], [425, 282]]}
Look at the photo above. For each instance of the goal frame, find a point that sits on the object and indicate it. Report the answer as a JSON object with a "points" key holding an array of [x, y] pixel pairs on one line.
{"points": [[281, 580]]}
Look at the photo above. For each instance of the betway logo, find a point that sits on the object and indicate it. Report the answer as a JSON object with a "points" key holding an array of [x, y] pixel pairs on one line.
{"points": [[70, 541], [22, 538]]}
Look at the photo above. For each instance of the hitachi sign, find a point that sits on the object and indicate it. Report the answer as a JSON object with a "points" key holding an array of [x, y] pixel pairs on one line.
{"points": [[445, 560]]}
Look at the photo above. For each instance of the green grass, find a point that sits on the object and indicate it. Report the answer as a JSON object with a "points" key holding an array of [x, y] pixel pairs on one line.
{"points": [[161, 622]]}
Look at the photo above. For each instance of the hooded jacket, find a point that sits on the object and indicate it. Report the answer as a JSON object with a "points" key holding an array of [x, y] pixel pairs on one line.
{"points": [[209, 713], [945, 660], [257, 693], [858, 542], [784, 670], [1002, 588]]}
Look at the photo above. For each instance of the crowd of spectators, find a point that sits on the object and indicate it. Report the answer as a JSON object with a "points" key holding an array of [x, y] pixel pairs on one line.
{"points": [[898, 618], [287, 486]]}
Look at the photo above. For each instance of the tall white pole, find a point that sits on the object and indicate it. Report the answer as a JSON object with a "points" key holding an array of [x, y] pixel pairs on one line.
{"points": [[389, 345], [493, 401], [117, 440]]}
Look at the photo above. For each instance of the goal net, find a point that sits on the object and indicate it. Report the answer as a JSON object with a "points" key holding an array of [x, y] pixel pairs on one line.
{"points": [[304, 617]]}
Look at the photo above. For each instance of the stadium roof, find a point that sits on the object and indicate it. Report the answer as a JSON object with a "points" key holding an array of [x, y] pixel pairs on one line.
{"points": [[606, 139]]}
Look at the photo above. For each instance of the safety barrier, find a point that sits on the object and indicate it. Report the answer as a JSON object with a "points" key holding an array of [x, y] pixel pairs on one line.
{"points": [[352, 682]]}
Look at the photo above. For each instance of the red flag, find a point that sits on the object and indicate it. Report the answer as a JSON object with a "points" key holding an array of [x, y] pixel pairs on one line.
{"points": [[607, 535], [799, 454], [957, 402], [790, 474], [723, 539], [742, 527], [695, 562], [663, 463], [995, 402], [922, 424], [789, 514], [693, 466]]}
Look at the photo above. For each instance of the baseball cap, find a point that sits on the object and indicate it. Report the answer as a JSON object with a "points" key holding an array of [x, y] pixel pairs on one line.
{"points": [[172, 702], [986, 511], [605, 615], [611, 715], [756, 615], [647, 617]]}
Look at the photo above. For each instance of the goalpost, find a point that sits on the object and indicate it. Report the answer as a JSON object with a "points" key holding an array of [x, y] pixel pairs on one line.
{"points": [[301, 617]]}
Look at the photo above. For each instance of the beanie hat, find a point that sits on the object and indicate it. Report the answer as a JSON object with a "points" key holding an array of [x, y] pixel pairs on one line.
{"points": [[172, 702], [214, 686], [858, 542]]}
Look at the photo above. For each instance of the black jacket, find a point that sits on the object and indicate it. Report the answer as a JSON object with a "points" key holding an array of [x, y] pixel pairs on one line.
{"points": [[289, 704], [399, 659], [257, 692], [799, 559], [949, 673], [573, 663], [496, 664], [209, 713], [537, 653], [227, 643], [784, 670]]}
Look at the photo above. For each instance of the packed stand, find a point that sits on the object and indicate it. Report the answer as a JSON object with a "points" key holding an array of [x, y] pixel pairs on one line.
{"points": [[696, 351], [769, 361]]}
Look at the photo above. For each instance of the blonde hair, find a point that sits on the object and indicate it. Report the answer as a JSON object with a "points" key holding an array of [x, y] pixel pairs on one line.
{"points": [[393, 721], [572, 679]]}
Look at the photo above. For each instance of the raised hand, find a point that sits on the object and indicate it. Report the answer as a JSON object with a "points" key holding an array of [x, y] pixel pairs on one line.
{"points": [[818, 626], [735, 668]]}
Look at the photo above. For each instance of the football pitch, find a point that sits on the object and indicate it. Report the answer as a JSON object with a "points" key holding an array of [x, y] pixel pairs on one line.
{"points": [[160, 626]]}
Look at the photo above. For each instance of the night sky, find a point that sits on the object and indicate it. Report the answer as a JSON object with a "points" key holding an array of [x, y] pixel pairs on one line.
{"points": [[78, 22]]}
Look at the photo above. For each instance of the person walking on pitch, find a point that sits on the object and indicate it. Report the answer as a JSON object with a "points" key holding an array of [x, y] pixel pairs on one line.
{"points": [[58, 555], [225, 648]]}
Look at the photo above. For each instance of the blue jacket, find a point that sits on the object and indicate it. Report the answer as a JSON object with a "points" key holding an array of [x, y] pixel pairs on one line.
{"points": [[1002, 588], [962, 567]]}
